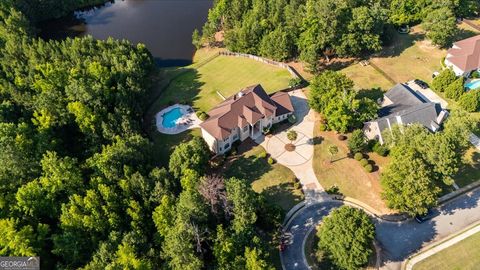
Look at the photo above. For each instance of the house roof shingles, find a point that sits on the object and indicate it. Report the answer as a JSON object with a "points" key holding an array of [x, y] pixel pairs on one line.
{"points": [[465, 54], [246, 107], [407, 108]]}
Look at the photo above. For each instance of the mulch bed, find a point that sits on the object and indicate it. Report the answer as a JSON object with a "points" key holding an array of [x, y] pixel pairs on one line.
{"points": [[290, 147]]}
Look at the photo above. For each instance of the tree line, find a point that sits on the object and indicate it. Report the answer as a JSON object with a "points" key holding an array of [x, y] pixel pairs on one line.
{"points": [[78, 183], [311, 29]]}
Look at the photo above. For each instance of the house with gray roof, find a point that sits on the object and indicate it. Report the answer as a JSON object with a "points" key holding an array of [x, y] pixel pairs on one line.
{"points": [[401, 105]]}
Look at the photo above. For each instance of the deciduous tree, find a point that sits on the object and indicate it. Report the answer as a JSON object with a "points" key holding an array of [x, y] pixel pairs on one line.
{"points": [[347, 235]]}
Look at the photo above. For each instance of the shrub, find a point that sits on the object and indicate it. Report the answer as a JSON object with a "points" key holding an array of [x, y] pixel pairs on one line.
{"points": [[456, 89], [443, 80], [333, 190], [322, 126], [342, 137], [470, 101], [371, 144], [202, 115], [382, 150], [292, 119], [262, 154], [475, 74], [266, 130], [358, 156], [296, 184], [294, 82], [271, 160], [368, 168], [356, 142], [363, 162]]}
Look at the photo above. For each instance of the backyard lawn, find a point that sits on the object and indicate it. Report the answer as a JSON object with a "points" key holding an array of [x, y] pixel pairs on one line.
{"points": [[275, 181], [366, 77], [163, 144], [463, 255], [225, 74], [347, 174]]}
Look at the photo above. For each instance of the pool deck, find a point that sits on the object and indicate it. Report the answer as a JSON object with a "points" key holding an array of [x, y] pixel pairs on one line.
{"points": [[189, 120]]}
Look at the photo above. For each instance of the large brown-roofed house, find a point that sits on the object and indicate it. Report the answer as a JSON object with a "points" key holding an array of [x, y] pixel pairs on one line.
{"points": [[464, 56], [244, 115]]}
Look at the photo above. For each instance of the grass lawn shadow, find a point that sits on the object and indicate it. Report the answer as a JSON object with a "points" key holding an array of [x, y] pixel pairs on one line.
{"points": [[275, 181]]}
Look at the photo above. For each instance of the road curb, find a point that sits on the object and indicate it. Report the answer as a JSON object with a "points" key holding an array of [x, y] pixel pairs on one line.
{"points": [[405, 263], [366, 208]]}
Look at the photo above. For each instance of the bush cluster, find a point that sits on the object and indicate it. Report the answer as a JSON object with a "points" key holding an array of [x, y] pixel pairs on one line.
{"points": [[202, 115], [358, 156], [381, 150], [271, 160]]}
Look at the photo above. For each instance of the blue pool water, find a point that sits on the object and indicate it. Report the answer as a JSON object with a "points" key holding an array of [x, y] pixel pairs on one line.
{"points": [[170, 118], [473, 85]]}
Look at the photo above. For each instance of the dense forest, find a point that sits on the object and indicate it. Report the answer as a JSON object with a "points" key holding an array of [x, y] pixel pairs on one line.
{"points": [[312, 29], [78, 186]]}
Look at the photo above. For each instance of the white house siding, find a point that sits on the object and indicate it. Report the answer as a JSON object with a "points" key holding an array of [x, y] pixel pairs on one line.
{"points": [[280, 118], [371, 130], [210, 140]]}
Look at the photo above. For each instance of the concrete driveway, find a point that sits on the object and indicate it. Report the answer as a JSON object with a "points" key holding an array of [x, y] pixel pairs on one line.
{"points": [[300, 160], [397, 240]]}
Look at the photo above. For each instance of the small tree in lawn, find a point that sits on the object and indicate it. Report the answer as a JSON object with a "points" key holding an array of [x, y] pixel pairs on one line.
{"points": [[356, 142], [333, 150], [292, 135]]}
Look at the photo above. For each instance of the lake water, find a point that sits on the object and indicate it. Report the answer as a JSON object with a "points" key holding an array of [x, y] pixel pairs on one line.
{"points": [[164, 26]]}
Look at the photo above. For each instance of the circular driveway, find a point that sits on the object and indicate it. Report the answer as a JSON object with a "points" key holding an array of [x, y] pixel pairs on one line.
{"points": [[303, 148]]}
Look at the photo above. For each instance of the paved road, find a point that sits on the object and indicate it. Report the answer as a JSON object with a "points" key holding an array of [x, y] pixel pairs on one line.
{"points": [[398, 240], [293, 256]]}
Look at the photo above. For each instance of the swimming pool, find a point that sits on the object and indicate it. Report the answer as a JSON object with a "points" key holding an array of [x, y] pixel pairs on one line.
{"points": [[473, 85], [170, 118]]}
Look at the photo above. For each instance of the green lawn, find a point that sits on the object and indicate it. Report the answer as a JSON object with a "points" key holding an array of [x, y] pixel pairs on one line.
{"points": [[275, 181], [366, 77], [225, 74], [464, 255], [346, 173], [164, 144], [470, 171]]}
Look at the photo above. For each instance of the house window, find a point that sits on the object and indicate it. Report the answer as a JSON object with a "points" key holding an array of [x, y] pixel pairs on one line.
{"points": [[245, 129], [235, 137], [227, 146], [226, 139]]}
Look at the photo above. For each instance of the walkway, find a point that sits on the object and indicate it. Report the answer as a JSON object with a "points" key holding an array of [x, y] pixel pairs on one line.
{"points": [[299, 161], [397, 240]]}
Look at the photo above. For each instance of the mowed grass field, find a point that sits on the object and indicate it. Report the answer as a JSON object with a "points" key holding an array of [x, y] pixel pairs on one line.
{"points": [[275, 181], [464, 255], [366, 77], [225, 74], [410, 57], [347, 173]]}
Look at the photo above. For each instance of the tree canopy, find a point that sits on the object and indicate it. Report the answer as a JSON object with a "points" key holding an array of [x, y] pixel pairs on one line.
{"points": [[333, 96], [79, 185], [346, 235]]}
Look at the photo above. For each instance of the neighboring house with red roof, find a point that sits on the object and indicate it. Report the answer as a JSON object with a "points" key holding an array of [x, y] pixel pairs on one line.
{"points": [[464, 56], [244, 115]]}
